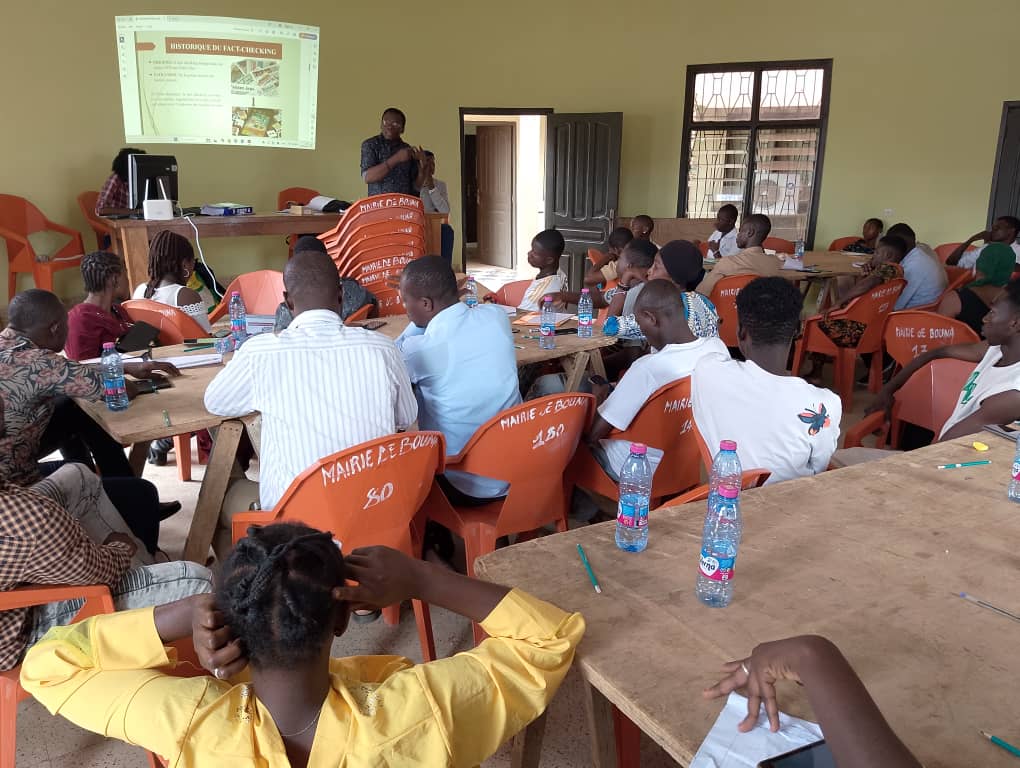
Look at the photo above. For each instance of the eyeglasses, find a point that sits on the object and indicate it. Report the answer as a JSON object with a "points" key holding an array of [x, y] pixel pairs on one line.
{"points": [[392, 124]]}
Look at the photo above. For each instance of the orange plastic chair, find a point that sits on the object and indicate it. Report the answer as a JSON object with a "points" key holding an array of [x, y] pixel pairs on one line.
{"points": [[666, 422], [927, 400], [366, 495], [390, 207], [778, 244], [703, 247], [958, 277], [870, 309], [945, 250], [368, 251], [364, 232], [842, 242], [262, 292], [100, 228], [19, 219], [174, 327], [293, 196], [512, 294], [750, 478], [97, 601], [910, 333], [724, 296], [358, 315]]}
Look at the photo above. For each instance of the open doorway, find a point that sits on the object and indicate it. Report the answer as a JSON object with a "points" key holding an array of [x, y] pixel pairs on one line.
{"points": [[503, 175]]}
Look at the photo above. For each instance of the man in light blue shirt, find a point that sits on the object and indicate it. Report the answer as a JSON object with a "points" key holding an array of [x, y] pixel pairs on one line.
{"points": [[461, 361], [924, 273]]}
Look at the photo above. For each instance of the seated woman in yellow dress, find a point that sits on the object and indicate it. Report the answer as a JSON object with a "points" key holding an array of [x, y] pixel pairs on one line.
{"points": [[281, 600]]}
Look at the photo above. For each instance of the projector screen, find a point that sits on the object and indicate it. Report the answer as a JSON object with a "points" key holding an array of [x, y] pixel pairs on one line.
{"points": [[212, 80]]}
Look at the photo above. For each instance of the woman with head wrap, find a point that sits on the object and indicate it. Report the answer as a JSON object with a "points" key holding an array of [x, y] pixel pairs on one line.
{"points": [[971, 303], [681, 263]]}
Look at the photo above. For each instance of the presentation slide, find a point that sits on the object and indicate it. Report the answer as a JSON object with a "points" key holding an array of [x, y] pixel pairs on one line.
{"points": [[212, 80]]}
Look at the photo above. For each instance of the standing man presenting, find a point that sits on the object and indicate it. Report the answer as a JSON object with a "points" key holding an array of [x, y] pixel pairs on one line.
{"points": [[388, 163]]}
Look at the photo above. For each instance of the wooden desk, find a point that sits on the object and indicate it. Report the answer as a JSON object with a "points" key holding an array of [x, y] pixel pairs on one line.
{"points": [[143, 422], [871, 556], [578, 350], [133, 235]]}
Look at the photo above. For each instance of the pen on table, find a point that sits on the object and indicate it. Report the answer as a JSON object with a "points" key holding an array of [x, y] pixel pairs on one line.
{"points": [[195, 347], [1000, 743], [989, 606], [587, 567], [166, 418], [209, 340], [964, 464]]}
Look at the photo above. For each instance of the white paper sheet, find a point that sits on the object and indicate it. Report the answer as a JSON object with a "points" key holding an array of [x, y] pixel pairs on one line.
{"points": [[726, 747], [193, 361]]}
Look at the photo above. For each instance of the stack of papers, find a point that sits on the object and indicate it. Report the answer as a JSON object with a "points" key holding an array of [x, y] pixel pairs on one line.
{"points": [[257, 324], [193, 361], [726, 747], [535, 318]]}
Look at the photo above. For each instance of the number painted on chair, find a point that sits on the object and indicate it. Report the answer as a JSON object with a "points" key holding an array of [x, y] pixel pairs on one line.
{"points": [[547, 435], [378, 495], [918, 349]]}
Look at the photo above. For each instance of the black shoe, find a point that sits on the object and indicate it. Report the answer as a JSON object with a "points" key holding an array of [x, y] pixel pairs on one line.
{"points": [[156, 457], [168, 508]]}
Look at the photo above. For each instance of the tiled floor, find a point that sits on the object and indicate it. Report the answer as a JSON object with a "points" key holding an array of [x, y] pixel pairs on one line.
{"points": [[45, 741]]}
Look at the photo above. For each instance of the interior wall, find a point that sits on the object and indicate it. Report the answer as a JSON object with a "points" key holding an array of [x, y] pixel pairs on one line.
{"points": [[917, 95]]}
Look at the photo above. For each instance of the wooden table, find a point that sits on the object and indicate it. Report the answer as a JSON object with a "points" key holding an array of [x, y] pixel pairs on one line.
{"points": [[578, 354], [143, 422], [871, 556], [133, 235]]}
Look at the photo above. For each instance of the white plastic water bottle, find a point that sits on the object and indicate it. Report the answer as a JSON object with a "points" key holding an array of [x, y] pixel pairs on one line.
{"points": [[114, 388], [1014, 483], [547, 329], [632, 509], [726, 469], [584, 314], [471, 292], [238, 317], [798, 249], [719, 543]]}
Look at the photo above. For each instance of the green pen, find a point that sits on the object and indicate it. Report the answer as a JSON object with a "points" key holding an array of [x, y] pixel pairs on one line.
{"points": [[166, 418], [195, 347], [964, 464], [587, 567], [1000, 743]]}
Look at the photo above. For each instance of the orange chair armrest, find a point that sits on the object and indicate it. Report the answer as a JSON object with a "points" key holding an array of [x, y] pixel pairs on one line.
{"points": [[876, 422], [241, 520], [74, 247], [219, 311], [40, 594], [10, 234], [61, 228]]}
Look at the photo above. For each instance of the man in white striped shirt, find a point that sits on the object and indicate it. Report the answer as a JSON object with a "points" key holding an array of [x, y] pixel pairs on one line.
{"points": [[320, 386]]}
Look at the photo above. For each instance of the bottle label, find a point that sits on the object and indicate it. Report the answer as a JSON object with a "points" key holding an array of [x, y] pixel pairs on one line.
{"points": [[114, 387], [584, 320], [471, 301], [716, 568], [1016, 469], [631, 516], [548, 329]]}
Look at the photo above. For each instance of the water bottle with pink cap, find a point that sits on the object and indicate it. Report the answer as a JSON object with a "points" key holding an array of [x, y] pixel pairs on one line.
{"points": [[635, 492]]}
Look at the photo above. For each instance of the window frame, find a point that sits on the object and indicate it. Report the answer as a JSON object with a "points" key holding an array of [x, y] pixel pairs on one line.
{"points": [[754, 125]]}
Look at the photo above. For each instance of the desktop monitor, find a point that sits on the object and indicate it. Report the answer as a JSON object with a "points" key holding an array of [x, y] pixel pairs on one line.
{"points": [[151, 177]]}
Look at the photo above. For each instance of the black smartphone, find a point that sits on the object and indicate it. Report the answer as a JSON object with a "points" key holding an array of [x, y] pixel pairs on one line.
{"points": [[597, 380], [564, 331], [374, 326], [816, 755]]}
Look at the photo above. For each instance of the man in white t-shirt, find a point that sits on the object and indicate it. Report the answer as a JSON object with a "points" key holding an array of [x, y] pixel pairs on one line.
{"points": [[1004, 230], [991, 394], [779, 422], [723, 241], [660, 313], [545, 253], [924, 273]]}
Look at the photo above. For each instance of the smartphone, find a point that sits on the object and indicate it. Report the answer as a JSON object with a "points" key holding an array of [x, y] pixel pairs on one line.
{"points": [[374, 326], [564, 331], [599, 381], [816, 755]]}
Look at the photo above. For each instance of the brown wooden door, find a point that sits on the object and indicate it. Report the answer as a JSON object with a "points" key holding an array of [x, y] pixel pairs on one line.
{"points": [[470, 183], [582, 177], [496, 194]]}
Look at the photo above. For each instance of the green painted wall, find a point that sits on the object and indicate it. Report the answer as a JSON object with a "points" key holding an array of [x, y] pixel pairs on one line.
{"points": [[916, 97]]}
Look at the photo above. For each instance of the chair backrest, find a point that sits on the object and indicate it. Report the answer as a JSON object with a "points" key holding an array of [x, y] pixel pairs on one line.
{"points": [[294, 196], [20, 216], [910, 333], [87, 206], [261, 291], [958, 277], [529, 447], [594, 254], [366, 251], [842, 242], [929, 396], [174, 324], [703, 247], [872, 309], [387, 207], [724, 296], [666, 422], [778, 244], [512, 294], [367, 494], [377, 229], [945, 250]]}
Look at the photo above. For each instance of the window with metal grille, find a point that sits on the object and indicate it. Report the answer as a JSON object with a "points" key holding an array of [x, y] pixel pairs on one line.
{"points": [[754, 136]]}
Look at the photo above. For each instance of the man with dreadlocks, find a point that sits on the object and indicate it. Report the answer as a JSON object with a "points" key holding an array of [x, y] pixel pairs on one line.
{"points": [[177, 280], [280, 600]]}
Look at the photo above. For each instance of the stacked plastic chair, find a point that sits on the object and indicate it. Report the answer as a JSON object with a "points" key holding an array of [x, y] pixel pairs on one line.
{"points": [[373, 242]]}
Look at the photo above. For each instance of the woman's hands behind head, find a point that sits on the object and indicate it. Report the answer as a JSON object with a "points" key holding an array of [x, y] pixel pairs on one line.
{"points": [[217, 648], [384, 575]]}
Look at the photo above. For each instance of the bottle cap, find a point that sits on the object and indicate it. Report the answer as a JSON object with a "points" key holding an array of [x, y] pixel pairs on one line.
{"points": [[638, 449], [729, 491], [584, 291], [727, 445], [109, 345], [235, 293], [547, 298]]}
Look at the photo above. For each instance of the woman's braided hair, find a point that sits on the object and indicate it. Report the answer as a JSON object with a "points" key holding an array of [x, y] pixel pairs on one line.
{"points": [[167, 253], [276, 592], [98, 267]]}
